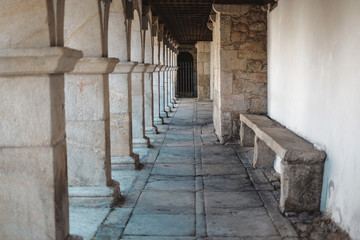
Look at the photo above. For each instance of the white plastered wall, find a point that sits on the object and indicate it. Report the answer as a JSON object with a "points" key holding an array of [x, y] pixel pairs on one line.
{"points": [[314, 90]]}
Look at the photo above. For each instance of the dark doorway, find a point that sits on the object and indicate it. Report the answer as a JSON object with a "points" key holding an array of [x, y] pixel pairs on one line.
{"points": [[186, 85]]}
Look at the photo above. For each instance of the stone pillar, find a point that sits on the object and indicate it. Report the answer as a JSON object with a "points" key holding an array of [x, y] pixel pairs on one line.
{"points": [[87, 107], [174, 77], [138, 106], [120, 92], [121, 117], [169, 85], [88, 132], [156, 89], [33, 167], [149, 100], [171, 94], [211, 71], [203, 70], [163, 112], [174, 83], [34, 194], [167, 108], [240, 66]]}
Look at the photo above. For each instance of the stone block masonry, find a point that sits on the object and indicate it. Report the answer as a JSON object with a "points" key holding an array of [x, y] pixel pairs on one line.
{"points": [[203, 70], [240, 66]]}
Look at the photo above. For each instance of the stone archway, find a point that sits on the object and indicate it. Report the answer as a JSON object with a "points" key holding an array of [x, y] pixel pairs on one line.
{"points": [[186, 82]]}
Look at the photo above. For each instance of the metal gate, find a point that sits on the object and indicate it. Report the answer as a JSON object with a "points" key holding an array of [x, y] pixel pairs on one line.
{"points": [[186, 85]]}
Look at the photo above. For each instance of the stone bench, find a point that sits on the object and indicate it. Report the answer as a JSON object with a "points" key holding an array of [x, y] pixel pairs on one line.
{"points": [[301, 164]]}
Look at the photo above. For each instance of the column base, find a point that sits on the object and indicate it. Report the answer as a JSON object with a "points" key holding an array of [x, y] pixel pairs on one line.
{"points": [[164, 114], [74, 237], [159, 120], [95, 195], [152, 129], [126, 162], [168, 109], [142, 142]]}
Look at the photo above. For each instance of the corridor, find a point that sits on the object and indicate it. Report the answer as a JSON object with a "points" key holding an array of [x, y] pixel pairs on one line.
{"points": [[191, 187]]}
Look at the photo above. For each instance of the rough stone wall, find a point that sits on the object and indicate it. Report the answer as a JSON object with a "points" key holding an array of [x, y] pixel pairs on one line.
{"points": [[203, 70], [240, 67]]}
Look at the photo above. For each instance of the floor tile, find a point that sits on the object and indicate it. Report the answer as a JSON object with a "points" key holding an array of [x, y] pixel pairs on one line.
{"points": [[252, 222], [161, 225]]}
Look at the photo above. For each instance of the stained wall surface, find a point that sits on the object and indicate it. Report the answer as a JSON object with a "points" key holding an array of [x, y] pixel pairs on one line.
{"points": [[314, 86]]}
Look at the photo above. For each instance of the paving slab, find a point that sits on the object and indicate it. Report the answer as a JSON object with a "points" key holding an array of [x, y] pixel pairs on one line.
{"points": [[119, 216], [223, 169], [174, 169], [109, 232], [157, 238], [227, 183], [165, 202], [230, 202], [244, 238], [252, 222], [161, 225], [170, 183], [84, 221]]}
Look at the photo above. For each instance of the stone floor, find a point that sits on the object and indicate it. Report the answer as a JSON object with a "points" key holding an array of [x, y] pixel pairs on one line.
{"points": [[191, 187]]}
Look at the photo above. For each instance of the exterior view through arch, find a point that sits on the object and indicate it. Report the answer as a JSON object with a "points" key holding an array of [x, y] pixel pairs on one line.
{"points": [[186, 85]]}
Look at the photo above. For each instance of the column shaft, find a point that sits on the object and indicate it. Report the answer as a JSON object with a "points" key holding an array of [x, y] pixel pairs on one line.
{"points": [[34, 194], [149, 103], [138, 106], [121, 117], [88, 132]]}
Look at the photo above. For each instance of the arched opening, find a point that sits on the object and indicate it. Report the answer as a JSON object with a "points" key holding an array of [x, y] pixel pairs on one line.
{"points": [[186, 85]]}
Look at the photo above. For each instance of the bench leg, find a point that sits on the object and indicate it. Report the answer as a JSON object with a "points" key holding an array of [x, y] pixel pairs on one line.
{"points": [[246, 136], [263, 155], [301, 186]]}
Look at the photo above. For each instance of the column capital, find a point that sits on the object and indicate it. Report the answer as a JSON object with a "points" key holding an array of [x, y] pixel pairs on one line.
{"points": [[163, 68], [141, 67], [95, 66], [151, 68], [36, 61], [157, 68], [124, 67]]}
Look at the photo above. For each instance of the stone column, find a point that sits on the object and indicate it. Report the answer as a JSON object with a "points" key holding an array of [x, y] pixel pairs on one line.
{"points": [[121, 117], [88, 132], [169, 85], [173, 79], [34, 194], [138, 106], [87, 107], [203, 70], [211, 71], [33, 169], [149, 100], [163, 112], [167, 108], [240, 66], [170, 98], [156, 89], [175, 83], [122, 153]]}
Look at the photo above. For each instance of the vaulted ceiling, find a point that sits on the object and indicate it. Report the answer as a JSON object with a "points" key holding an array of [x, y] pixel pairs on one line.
{"points": [[187, 20]]}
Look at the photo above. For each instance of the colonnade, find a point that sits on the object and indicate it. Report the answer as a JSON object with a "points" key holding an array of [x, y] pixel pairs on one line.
{"points": [[77, 92]]}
